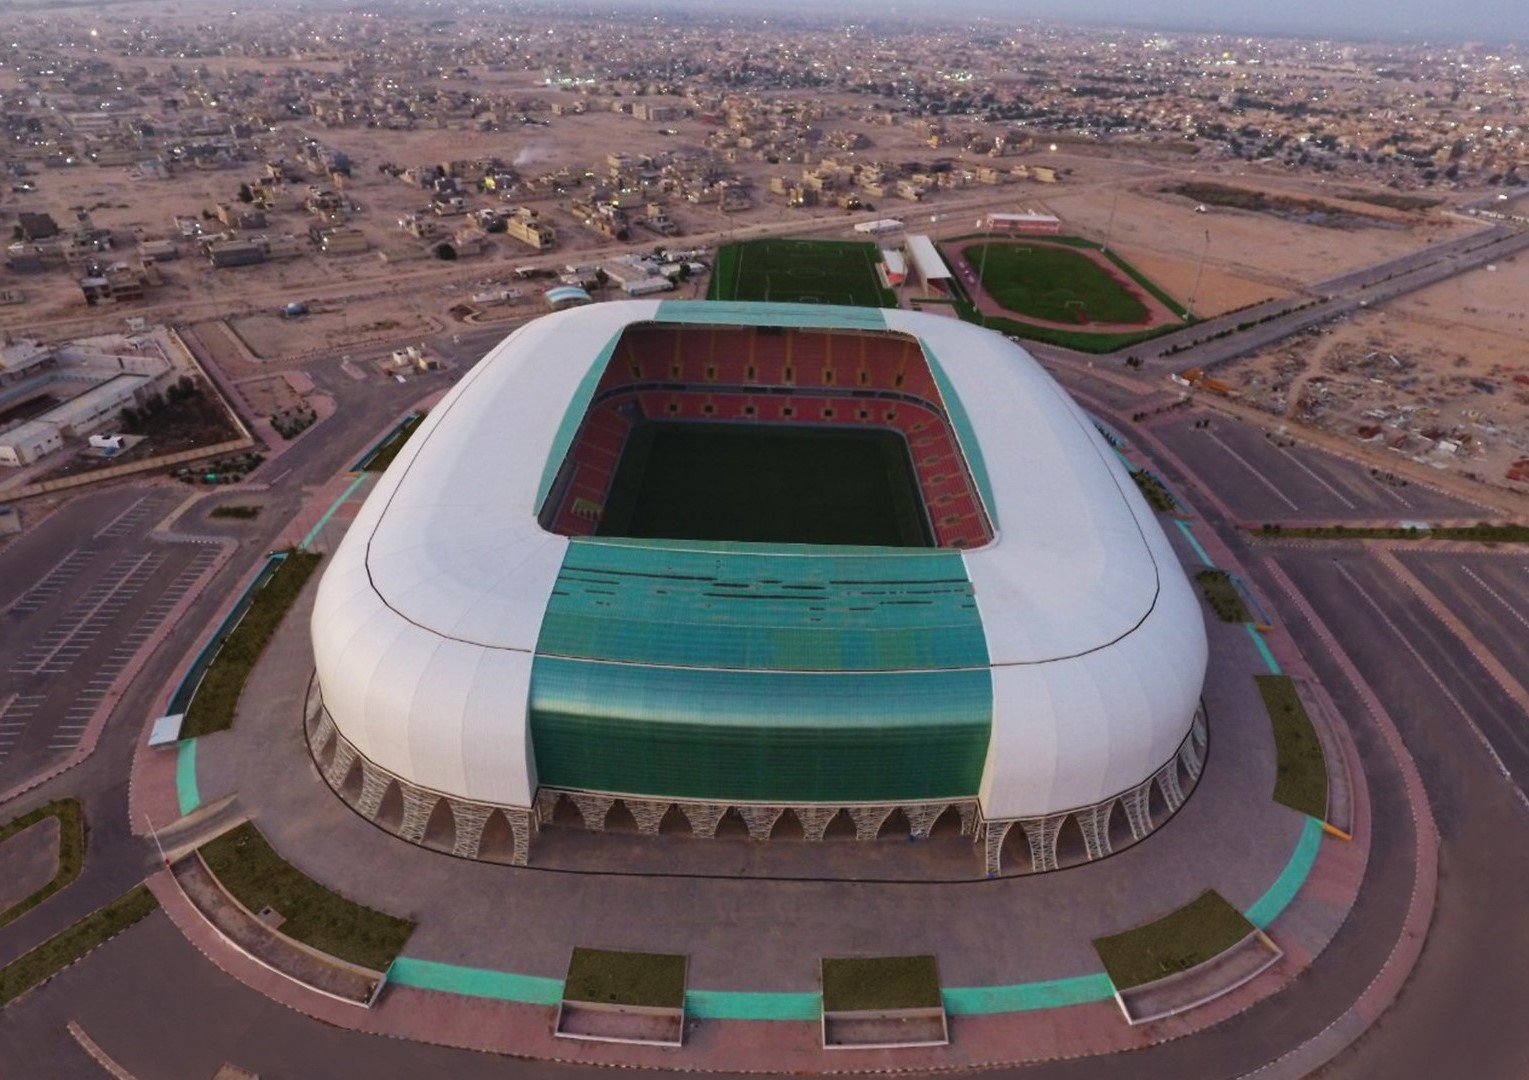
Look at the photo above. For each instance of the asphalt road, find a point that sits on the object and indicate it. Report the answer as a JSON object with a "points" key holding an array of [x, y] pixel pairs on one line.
{"points": [[1489, 593], [1324, 301], [1266, 478], [1461, 1013]]}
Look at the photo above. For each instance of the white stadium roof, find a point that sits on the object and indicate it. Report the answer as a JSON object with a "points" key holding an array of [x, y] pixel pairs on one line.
{"points": [[428, 615]]}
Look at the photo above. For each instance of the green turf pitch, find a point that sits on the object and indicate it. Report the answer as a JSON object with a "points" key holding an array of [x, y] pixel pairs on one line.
{"points": [[766, 484], [1054, 283], [800, 272]]}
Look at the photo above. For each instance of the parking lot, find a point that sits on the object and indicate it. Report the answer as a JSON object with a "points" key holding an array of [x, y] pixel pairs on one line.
{"points": [[99, 592], [1263, 477], [1489, 593]]}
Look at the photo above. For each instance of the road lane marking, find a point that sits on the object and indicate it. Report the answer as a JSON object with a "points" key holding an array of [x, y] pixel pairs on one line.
{"points": [[1262, 479]]}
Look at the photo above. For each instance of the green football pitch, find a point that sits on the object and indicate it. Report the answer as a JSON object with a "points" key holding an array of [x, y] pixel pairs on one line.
{"points": [[777, 484], [800, 272], [1058, 284]]}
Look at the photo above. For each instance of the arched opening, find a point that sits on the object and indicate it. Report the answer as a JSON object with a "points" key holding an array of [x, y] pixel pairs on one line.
{"points": [[1157, 806], [947, 824], [566, 812], [840, 827], [895, 827], [350, 787], [498, 844], [619, 819], [732, 826], [324, 757], [788, 827], [674, 823], [1016, 851], [1120, 827], [1186, 782], [390, 810], [441, 827], [1070, 848]]}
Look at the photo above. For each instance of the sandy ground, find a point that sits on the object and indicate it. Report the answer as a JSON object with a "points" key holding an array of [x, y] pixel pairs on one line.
{"points": [[1219, 290], [1258, 247], [272, 337], [1443, 392]]}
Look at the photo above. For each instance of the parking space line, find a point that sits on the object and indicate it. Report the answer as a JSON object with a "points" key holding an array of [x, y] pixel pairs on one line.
{"points": [[1262, 479], [1299, 464]]}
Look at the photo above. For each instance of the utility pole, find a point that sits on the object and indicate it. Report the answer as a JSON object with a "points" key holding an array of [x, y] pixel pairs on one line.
{"points": [[1195, 292]]}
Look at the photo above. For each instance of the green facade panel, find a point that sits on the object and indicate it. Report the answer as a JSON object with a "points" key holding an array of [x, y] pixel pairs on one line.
{"points": [[759, 736], [750, 607]]}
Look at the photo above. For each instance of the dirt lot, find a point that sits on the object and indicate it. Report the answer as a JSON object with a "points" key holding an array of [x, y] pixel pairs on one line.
{"points": [[1249, 246], [1436, 389]]}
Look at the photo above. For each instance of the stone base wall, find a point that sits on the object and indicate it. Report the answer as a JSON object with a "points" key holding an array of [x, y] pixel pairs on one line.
{"points": [[495, 833]]}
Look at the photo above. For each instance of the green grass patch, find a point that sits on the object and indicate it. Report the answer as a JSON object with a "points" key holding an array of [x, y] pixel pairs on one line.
{"points": [[64, 948], [1300, 780], [1154, 491], [800, 272], [241, 513], [874, 983], [1223, 597], [604, 976], [1077, 340], [1053, 282], [1205, 927], [71, 850], [389, 450], [249, 868], [217, 695], [767, 483], [1484, 532]]}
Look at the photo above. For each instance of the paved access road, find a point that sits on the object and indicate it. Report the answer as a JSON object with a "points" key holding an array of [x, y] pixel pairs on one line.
{"points": [[1489, 593], [1271, 478], [1461, 1013]]}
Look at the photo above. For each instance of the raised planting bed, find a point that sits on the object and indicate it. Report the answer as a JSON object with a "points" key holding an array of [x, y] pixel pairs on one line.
{"points": [[68, 945], [633, 997], [877, 1002], [1483, 533], [71, 851], [255, 875], [380, 458], [1154, 491], [1202, 929], [1300, 780], [215, 698], [1221, 593]]}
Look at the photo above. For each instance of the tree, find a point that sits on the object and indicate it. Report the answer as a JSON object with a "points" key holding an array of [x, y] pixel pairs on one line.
{"points": [[445, 252], [246, 193]]}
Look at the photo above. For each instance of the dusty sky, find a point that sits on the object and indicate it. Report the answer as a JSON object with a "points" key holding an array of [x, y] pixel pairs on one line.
{"points": [[1398, 20]]}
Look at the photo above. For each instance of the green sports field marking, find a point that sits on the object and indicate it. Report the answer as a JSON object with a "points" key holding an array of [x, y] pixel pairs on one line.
{"points": [[1272, 904], [1027, 997], [751, 1005], [187, 794], [314, 532], [1263, 648], [475, 982], [804, 1006], [1190, 536]]}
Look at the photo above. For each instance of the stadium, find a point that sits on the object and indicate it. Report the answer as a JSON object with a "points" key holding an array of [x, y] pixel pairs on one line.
{"points": [[759, 569]]}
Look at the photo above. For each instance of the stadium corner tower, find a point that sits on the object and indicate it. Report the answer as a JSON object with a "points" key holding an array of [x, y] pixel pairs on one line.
{"points": [[826, 570]]}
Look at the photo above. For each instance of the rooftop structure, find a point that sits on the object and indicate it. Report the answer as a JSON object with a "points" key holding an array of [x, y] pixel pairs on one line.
{"points": [[1034, 653]]}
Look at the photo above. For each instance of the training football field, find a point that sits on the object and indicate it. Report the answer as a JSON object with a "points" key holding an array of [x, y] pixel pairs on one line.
{"points": [[800, 272], [777, 484], [1058, 284]]}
